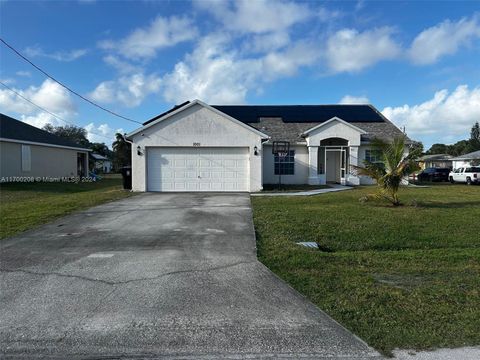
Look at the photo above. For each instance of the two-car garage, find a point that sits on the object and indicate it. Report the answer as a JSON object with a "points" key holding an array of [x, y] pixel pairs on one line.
{"points": [[196, 147], [197, 169]]}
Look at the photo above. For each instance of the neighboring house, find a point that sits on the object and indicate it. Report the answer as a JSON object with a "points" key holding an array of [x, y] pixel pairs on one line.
{"points": [[469, 159], [435, 161], [198, 147], [101, 163], [27, 151]]}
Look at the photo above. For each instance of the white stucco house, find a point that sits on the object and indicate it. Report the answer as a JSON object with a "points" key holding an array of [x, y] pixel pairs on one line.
{"points": [[466, 160], [200, 147], [101, 163]]}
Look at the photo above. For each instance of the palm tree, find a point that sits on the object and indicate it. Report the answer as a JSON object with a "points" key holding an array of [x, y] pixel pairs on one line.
{"points": [[390, 172], [121, 151]]}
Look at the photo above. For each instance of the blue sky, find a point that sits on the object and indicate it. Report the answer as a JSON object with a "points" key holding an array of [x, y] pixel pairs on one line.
{"points": [[417, 62]]}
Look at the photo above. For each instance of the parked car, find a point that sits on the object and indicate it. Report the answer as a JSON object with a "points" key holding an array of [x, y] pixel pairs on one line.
{"points": [[434, 174], [468, 175]]}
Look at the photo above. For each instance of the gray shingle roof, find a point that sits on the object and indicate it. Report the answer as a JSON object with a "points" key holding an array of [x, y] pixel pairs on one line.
{"points": [[279, 130], [13, 129], [98, 156], [288, 122], [469, 156], [436, 157]]}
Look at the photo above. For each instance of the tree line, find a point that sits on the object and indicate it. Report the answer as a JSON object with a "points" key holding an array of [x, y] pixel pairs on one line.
{"points": [[460, 147], [120, 153]]}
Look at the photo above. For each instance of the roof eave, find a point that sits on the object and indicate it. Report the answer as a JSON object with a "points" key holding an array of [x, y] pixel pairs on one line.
{"points": [[190, 104]]}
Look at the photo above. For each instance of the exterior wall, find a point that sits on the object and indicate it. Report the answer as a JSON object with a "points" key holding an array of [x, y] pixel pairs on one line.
{"points": [[436, 163], [364, 180], [301, 166], [101, 165], [200, 126], [334, 129], [45, 161], [461, 163]]}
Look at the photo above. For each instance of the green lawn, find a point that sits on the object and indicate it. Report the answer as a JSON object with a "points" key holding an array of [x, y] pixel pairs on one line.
{"points": [[406, 277], [26, 205], [291, 188]]}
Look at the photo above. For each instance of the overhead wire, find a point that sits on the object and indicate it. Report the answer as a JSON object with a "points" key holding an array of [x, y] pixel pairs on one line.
{"points": [[45, 110], [65, 86]]}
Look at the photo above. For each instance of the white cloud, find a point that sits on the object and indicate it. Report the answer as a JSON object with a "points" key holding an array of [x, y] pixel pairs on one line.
{"points": [[8, 81], [443, 39], [269, 42], [444, 117], [349, 50], [216, 73], [41, 119], [49, 95], [259, 16], [128, 90], [288, 61], [65, 56], [102, 133], [162, 32], [121, 65], [349, 99], [211, 73], [23, 73]]}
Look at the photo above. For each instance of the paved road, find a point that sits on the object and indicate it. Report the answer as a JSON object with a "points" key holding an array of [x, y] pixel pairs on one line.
{"points": [[157, 275]]}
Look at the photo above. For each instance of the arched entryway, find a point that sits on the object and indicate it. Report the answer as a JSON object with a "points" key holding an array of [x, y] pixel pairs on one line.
{"points": [[333, 158]]}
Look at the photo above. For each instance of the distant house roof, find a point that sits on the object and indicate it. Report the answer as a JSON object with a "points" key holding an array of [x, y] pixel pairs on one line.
{"points": [[99, 157], [469, 156], [436, 157], [289, 122], [16, 130]]}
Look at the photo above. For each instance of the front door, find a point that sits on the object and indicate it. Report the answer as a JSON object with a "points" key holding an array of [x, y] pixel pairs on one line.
{"points": [[333, 166], [81, 170]]}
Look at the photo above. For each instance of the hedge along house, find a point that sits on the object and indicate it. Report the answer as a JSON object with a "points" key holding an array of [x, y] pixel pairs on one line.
{"points": [[200, 147]]}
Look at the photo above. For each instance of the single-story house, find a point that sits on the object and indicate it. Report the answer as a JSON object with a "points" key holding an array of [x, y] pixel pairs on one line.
{"points": [[101, 163], [469, 159], [27, 151], [200, 147], [435, 161]]}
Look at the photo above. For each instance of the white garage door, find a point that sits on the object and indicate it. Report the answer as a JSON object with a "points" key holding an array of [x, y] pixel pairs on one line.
{"points": [[197, 169]]}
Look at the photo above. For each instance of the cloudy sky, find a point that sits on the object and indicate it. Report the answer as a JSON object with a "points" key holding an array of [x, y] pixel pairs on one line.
{"points": [[417, 62]]}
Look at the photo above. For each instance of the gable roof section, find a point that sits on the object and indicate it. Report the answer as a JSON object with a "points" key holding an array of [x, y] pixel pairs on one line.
{"points": [[99, 157], [302, 113], [469, 156], [435, 157], [187, 105], [333, 120], [166, 112], [289, 122], [18, 131]]}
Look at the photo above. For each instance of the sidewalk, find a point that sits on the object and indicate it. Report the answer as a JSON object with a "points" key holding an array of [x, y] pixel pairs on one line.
{"points": [[333, 188]]}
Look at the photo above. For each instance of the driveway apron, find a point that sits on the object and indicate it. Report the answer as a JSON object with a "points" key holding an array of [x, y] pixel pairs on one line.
{"points": [[157, 276]]}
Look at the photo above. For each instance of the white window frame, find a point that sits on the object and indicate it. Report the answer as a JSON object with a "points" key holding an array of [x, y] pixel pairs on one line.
{"points": [[26, 158], [372, 157], [281, 162]]}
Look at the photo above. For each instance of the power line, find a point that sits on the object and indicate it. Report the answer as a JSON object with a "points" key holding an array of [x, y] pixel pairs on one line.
{"points": [[49, 112], [65, 86]]}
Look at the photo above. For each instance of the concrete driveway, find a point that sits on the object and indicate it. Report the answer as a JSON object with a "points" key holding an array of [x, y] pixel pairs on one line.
{"points": [[157, 275]]}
